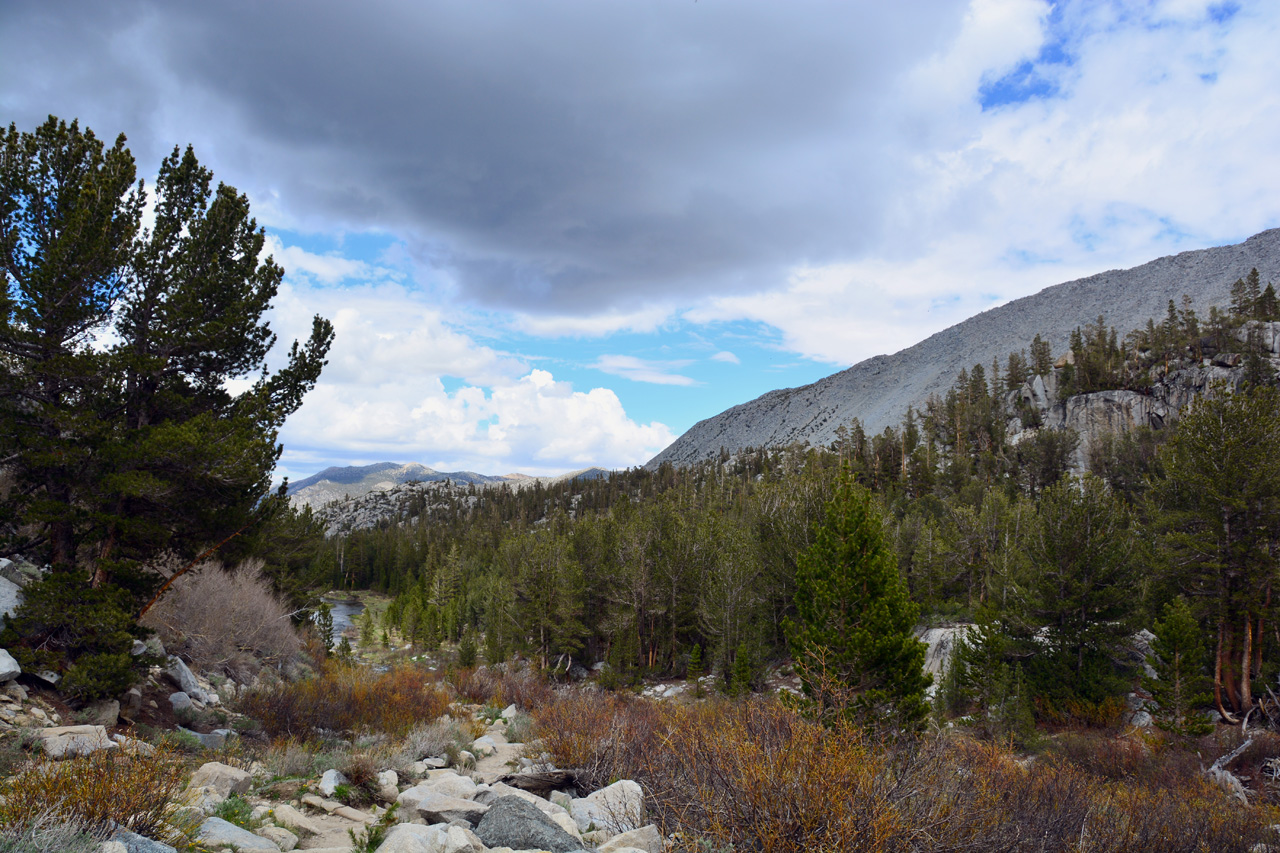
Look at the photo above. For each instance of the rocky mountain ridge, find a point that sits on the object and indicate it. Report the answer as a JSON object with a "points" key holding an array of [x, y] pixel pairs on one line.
{"points": [[415, 497], [352, 483], [879, 390]]}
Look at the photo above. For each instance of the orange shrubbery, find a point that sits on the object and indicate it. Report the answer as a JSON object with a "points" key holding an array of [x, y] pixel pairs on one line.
{"points": [[138, 791], [348, 699], [758, 776]]}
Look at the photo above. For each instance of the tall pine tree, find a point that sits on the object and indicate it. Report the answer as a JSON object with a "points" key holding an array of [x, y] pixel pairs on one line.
{"points": [[853, 634]]}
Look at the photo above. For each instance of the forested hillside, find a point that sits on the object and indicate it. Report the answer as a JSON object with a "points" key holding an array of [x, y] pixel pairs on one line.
{"points": [[649, 570]]}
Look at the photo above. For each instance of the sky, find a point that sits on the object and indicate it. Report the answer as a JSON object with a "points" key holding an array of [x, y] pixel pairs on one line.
{"points": [[557, 234]]}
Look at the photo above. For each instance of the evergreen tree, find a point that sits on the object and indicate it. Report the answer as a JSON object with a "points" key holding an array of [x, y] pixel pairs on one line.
{"points": [[854, 628], [1179, 686], [1218, 504], [1041, 357], [120, 455], [1085, 570]]}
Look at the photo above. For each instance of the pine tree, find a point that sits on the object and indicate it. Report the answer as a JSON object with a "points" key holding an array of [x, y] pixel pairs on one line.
{"points": [[853, 636], [120, 454], [1179, 686]]}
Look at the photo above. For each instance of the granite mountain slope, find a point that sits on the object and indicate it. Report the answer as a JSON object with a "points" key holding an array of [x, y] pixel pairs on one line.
{"points": [[879, 390]]}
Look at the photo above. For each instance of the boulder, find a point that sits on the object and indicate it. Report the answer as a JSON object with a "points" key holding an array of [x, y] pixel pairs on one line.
{"points": [[279, 836], [646, 838], [510, 712], [497, 790], [218, 834], [70, 741], [131, 707], [135, 843], [452, 785], [290, 818], [227, 780], [9, 669], [180, 701], [205, 798], [104, 712], [422, 801], [129, 744], [112, 847], [484, 746], [617, 808], [186, 679], [215, 739], [513, 822], [10, 598], [330, 781], [412, 838]]}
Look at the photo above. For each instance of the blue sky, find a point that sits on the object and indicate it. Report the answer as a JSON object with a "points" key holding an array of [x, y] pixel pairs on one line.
{"points": [[556, 235]]}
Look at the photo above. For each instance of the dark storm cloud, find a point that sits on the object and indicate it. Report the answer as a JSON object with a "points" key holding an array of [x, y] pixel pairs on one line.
{"points": [[560, 156]]}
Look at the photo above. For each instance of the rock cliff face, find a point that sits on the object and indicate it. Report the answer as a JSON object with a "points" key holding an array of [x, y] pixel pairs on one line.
{"points": [[1095, 415], [879, 390]]}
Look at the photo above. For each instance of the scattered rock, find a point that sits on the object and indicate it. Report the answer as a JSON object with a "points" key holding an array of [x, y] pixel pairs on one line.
{"points": [[452, 785], [186, 680], [423, 801], [219, 834], [646, 838], [618, 808], [9, 669], [330, 781], [513, 822], [290, 818], [135, 843], [484, 746], [132, 705], [224, 778], [215, 739], [279, 836], [70, 741], [105, 712], [412, 838]]}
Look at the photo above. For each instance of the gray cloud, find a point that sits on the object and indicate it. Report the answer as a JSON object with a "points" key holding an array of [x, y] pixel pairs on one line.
{"points": [[554, 156]]}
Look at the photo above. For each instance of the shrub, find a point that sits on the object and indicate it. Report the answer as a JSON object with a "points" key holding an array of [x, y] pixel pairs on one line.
{"points": [[758, 776], [140, 792], [224, 621], [84, 633], [441, 737], [236, 809], [344, 698]]}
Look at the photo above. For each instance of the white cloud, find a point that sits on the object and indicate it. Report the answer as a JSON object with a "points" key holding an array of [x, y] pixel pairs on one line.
{"points": [[1160, 138], [328, 269], [727, 357], [644, 370], [384, 396], [646, 319]]}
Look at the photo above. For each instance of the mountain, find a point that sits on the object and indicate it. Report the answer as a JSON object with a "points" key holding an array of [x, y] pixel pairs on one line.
{"points": [[878, 391], [360, 495], [333, 484]]}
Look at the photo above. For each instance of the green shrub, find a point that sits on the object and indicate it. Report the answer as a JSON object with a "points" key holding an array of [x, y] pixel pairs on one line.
{"points": [[86, 634], [236, 809]]}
